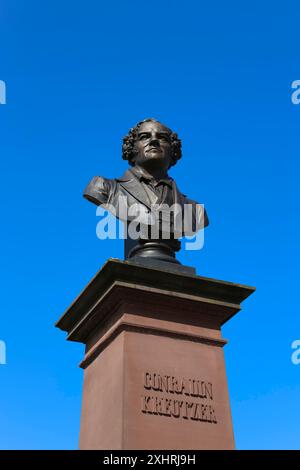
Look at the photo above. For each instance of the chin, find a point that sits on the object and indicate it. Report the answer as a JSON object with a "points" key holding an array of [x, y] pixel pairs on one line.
{"points": [[155, 160], [155, 156], [150, 158]]}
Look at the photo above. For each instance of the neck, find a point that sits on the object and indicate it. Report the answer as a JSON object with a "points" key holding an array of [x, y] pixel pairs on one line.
{"points": [[156, 173]]}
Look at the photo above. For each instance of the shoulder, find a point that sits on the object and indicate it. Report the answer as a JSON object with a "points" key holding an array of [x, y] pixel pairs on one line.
{"points": [[184, 198], [101, 183], [127, 176], [99, 189], [198, 209]]}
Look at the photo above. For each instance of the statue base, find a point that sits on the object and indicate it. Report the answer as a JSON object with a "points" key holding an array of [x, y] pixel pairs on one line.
{"points": [[154, 371]]}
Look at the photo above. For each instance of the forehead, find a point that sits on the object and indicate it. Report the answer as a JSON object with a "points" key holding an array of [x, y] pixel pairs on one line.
{"points": [[152, 126]]}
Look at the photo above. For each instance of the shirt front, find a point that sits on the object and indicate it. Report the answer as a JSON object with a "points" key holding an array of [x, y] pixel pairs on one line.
{"points": [[158, 192]]}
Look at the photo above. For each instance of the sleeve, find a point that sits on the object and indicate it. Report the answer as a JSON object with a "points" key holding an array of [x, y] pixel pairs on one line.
{"points": [[200, 216], [199, 219], [98, 190]]}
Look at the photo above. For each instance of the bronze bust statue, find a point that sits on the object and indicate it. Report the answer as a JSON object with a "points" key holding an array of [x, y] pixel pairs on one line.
{"points": [[151, 149]]}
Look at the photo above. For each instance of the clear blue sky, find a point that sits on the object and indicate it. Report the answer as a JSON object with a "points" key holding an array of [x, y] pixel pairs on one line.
{"points": [[78, 76]]}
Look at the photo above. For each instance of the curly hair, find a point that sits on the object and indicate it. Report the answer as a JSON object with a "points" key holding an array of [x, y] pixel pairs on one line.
{"points": [[129, 151]]}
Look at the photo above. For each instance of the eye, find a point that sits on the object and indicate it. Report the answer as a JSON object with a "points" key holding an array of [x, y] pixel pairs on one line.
{"points": [[143, 136]]}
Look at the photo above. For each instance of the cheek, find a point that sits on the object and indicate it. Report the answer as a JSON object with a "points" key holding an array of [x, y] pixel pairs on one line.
{"points": [[140, 148], [136, 148], [168, 152]]}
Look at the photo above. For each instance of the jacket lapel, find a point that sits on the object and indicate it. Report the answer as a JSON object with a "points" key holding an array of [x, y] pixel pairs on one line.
{"points": [[178, 197], [133, 186]]}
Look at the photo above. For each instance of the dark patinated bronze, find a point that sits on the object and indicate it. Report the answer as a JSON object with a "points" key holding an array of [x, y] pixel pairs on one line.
{"points": [[151, 149]]}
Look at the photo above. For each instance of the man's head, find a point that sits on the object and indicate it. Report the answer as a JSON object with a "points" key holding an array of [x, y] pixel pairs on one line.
{"points": [[151, 144]]}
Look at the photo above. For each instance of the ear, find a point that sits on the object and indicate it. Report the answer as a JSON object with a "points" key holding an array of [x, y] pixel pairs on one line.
{"points": [[133, 154], [132, 159]]}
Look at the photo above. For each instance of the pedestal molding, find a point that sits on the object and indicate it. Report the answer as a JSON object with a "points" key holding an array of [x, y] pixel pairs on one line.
{"points": [[135, 327]]}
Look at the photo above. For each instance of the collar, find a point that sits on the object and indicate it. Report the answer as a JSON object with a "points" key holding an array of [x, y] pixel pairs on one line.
{"points": [[142, 174]]}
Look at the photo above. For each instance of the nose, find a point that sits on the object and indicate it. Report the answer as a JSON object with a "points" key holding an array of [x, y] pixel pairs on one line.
{"points": [[154, 140]]}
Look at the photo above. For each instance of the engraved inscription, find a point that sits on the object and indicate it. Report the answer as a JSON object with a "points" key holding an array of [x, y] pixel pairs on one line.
{"points": [[188, 399]]}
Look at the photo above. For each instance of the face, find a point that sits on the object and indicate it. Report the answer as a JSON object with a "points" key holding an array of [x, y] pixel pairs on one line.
{"points": [[153, 146]]}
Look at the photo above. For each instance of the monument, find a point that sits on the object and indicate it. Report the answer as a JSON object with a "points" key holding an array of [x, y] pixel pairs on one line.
{"points": [[154, 371]]}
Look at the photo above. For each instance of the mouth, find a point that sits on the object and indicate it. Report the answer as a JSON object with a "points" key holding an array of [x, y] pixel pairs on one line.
{"points": [[153, 149]]}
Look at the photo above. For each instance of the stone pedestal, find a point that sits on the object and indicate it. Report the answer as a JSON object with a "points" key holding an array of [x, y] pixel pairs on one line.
{"points": [[154, 371]]}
